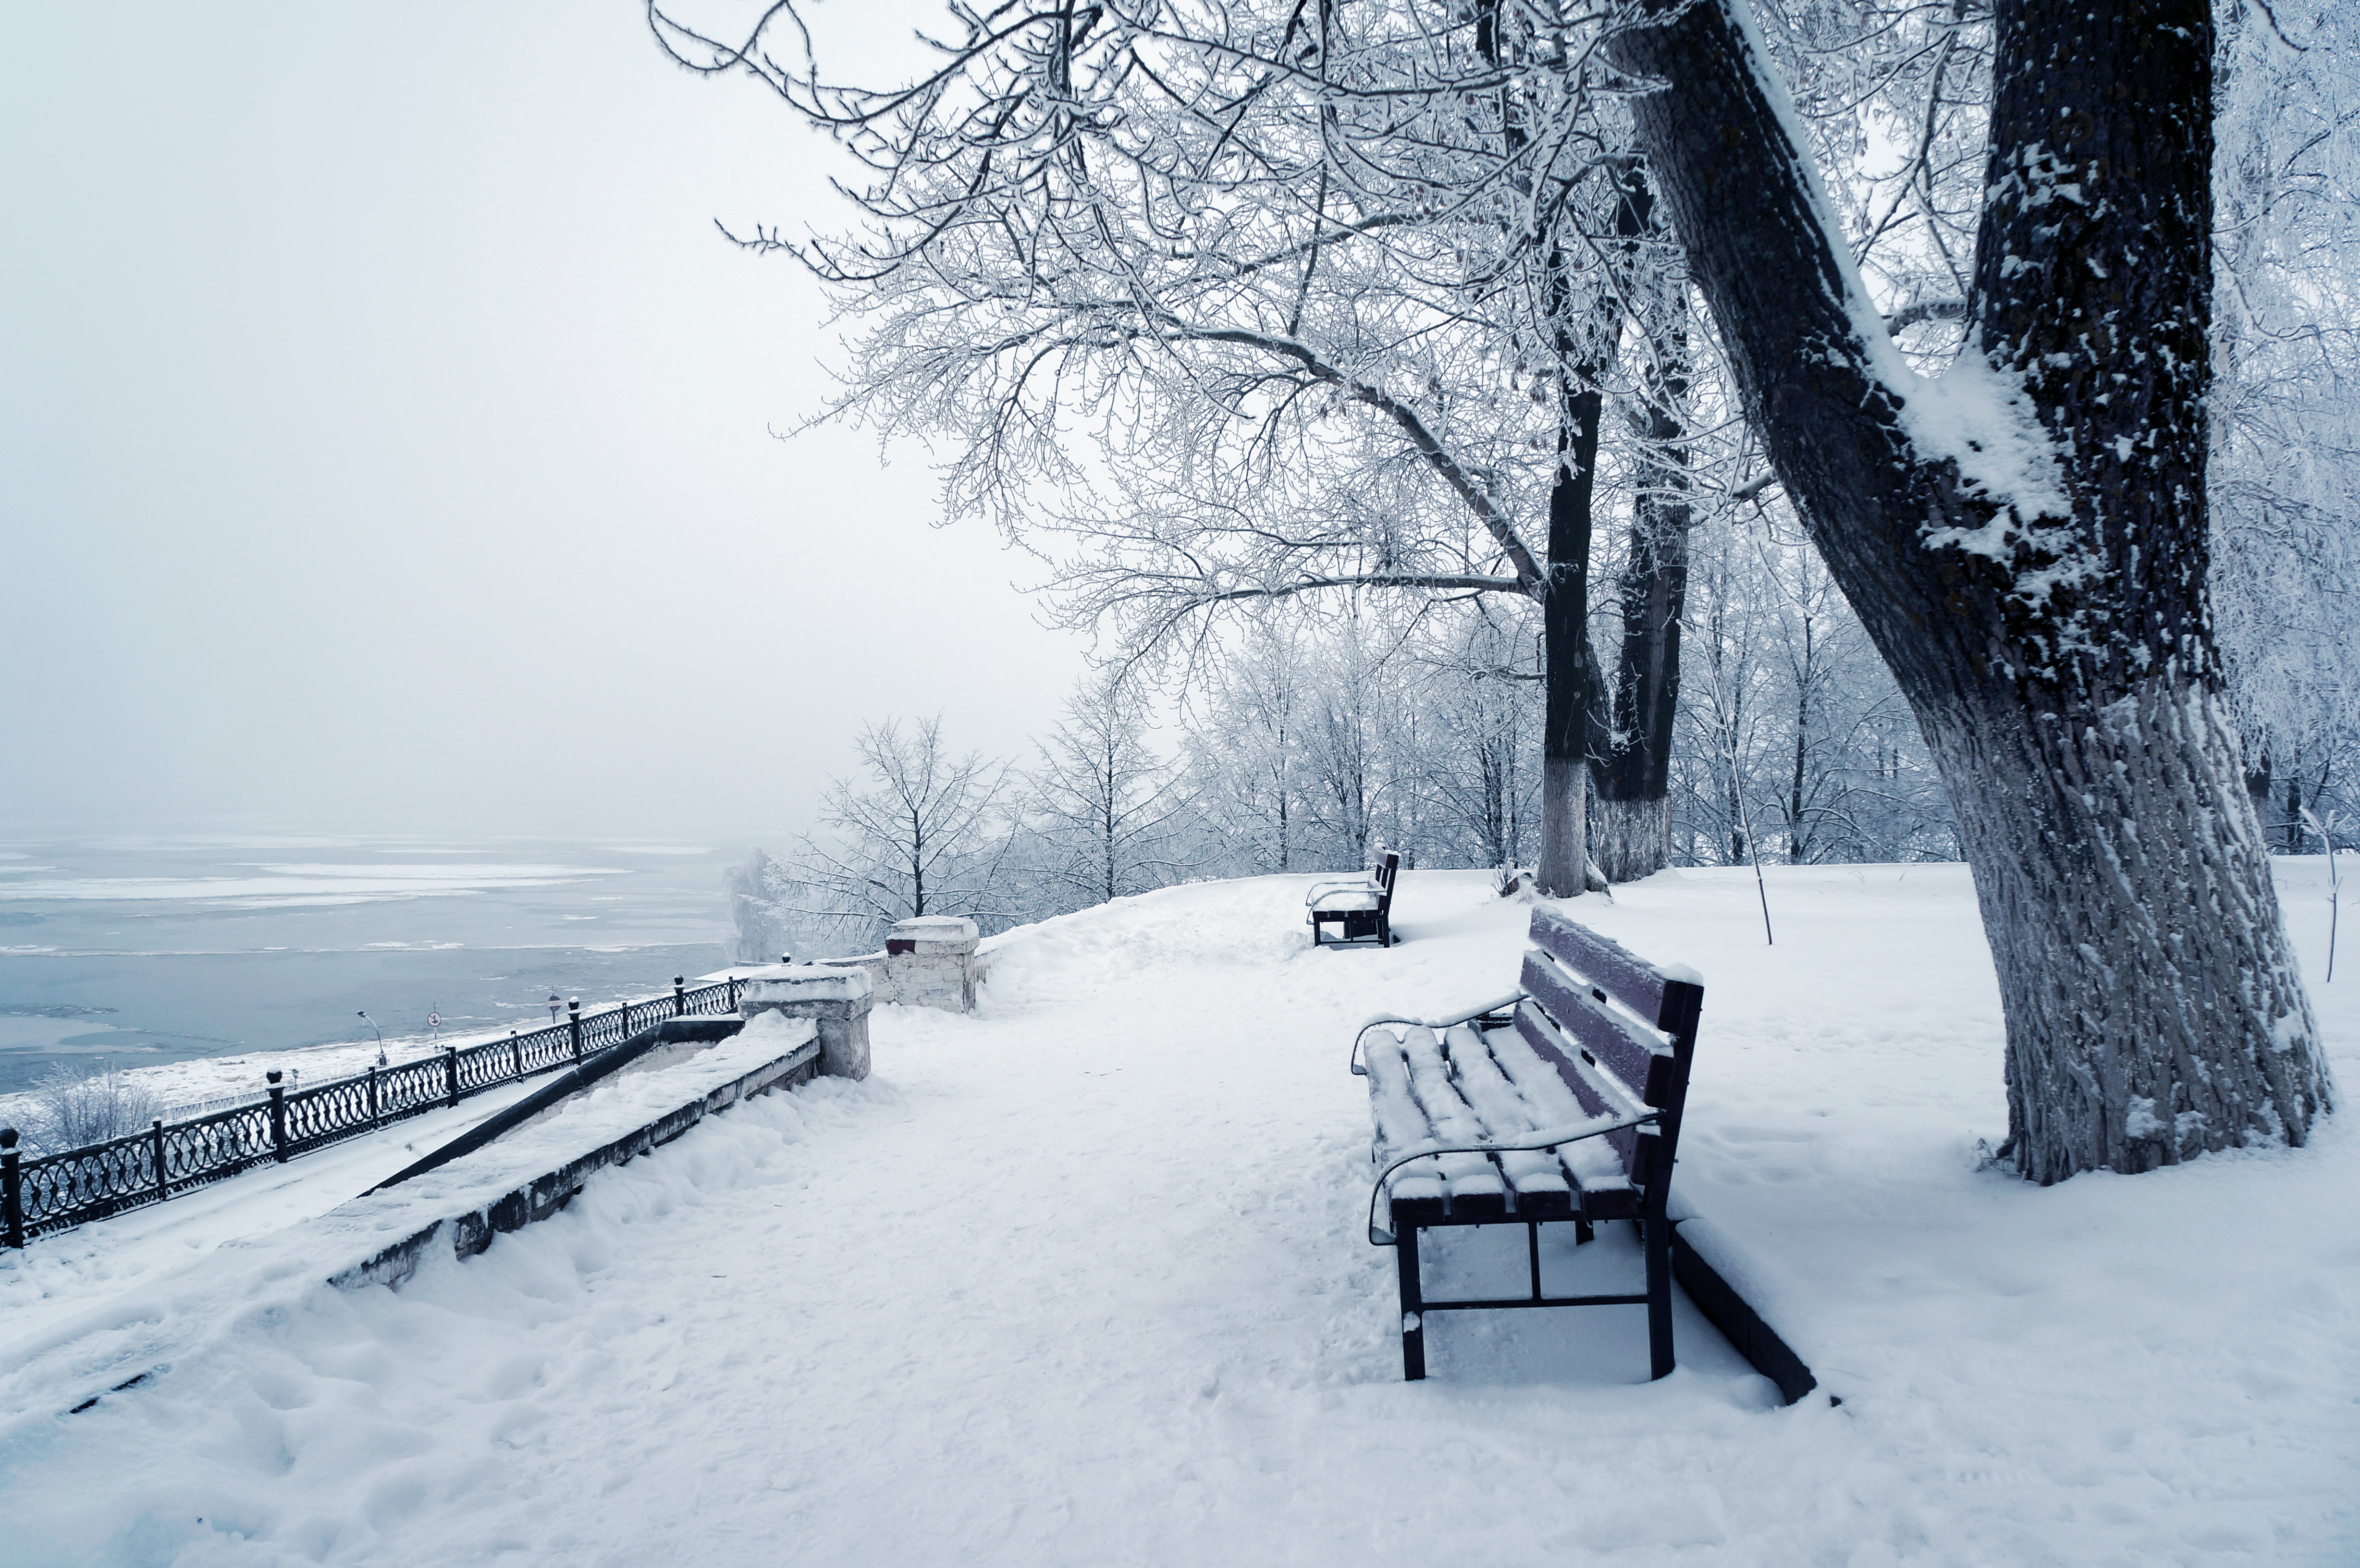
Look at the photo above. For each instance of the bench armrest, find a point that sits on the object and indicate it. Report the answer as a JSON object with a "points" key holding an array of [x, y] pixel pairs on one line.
{"points": [[1361, 883], [1497, 1004], [1545, 1138]]}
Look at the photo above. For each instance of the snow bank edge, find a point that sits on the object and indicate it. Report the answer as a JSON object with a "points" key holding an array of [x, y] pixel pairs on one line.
{"points": [[472, 1230]]}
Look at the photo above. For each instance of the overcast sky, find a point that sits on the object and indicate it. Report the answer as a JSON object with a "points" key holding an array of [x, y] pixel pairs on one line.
{"points": [[385, 438]]}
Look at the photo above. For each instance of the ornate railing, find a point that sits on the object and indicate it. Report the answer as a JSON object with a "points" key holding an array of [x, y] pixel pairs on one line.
{"points": [[56, 1192]]}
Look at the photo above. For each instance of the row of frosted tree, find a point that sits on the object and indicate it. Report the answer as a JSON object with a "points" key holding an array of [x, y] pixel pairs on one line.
{"points": [[1818, 397], [1311, 745]]}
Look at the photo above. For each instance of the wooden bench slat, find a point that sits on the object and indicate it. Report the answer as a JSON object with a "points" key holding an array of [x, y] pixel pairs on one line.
{"points": [[1472, 1181], [1591, 1167], [1535, 1031], [1413, 1101], [1597, 1166], [1630, 979], [1536, 1179], [1639, 1056], [1468, 1086], [1416, 1191]]}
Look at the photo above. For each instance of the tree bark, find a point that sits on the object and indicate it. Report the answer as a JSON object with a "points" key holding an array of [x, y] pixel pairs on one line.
{"points": [[1570, 695], [1632, 836], [1572, 702], [2030, 558], [1632, 767]]}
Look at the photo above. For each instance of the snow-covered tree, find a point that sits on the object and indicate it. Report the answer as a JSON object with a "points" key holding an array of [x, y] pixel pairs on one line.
{"points": [[1978, 361], [760, 892], [1313, 349], [2025, 539], [1792, 728], [1103, 816], [1244, 747], [2285, 407], [1477, 749], [920, 832]]}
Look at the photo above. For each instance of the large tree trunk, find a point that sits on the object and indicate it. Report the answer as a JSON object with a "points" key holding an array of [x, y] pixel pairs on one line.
{"points": [[1584, 352], [1631, 835], [2026, 542]]}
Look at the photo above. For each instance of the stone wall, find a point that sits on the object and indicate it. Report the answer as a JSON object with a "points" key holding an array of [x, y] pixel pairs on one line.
{"points": [[836, 998], [928, 962]]}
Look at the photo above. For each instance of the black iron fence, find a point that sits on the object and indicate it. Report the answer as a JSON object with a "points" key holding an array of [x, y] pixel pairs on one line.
{"points": [[56, 1192]]}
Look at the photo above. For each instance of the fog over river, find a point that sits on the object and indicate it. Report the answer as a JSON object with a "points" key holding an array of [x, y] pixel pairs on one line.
{"points": [[140, 951]]}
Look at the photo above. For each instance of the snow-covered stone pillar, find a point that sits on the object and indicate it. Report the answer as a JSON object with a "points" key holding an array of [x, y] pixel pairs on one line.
{"points": [[930, 963], [836, 1000]]}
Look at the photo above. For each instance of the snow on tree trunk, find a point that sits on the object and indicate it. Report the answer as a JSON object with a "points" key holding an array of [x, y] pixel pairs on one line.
{"points": [[1630, 833], [2153, 1008], [1630, 838], [2024, 539], [1631, 765]]}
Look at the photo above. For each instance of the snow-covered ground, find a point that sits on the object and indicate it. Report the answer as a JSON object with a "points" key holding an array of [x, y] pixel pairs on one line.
{"points": [[59, 1277], [1082, 1280]]}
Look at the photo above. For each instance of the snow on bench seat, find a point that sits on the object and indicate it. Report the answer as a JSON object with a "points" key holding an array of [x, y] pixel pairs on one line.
{"points": [[1585, 1067], [1469, 1085]]}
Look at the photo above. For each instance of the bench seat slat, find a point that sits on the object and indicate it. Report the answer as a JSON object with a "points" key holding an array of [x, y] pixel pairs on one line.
{"points": [[1471, 1086], [1537, 1180], [1412, 1100], [1416, 1191], [1473, 1181], [1597, 1166]]}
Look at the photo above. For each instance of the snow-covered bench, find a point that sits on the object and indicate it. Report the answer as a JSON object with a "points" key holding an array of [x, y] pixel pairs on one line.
{"points": [[1363, 906], [1558, 1102]]}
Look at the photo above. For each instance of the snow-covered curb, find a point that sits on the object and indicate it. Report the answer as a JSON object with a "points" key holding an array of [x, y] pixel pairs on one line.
{"points": [[479, 1195], [1713, 1270]]}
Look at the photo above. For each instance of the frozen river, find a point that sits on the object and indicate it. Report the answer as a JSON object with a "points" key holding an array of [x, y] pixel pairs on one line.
{"points": [[142, 952]]}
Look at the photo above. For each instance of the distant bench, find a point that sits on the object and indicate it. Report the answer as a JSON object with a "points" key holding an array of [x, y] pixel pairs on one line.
{"points": [[1560, 1102], [1363, 905]]}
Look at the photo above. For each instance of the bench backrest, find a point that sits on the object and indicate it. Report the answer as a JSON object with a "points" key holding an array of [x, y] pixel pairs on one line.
{"points": [[1618, 1030], [1388, 867]]}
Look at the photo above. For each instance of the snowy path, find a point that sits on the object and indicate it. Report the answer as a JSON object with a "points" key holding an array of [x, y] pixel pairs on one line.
{"points": [[1080, 1281]]}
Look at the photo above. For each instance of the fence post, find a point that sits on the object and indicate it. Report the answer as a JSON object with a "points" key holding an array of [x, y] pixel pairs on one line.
{"points": [[12, 1189], [156, 1143], [574, 1020], [277, 1115], [679, 995], [516, 1055], [375, 1119], [733, 994], [450, 1071]]}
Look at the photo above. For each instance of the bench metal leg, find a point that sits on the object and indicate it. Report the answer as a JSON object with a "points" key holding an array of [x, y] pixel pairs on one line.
{"points": [[1659, 1295], [1412, 1304]]}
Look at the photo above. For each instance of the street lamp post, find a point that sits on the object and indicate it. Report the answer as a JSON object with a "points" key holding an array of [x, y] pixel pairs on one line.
{"points": [[381, 1035]]}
